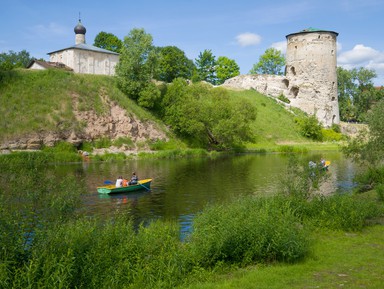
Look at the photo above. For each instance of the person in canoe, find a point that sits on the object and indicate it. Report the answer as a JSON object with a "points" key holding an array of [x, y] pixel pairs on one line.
{"points": [[119, 182], [134, 179], [125, 182], [325, 164]]}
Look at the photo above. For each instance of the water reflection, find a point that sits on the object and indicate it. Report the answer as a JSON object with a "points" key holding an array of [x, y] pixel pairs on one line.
{"points": [[181, 188]]}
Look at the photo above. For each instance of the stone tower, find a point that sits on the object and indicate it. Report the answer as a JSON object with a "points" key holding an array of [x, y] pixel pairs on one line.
{"points": [[311, 78]]}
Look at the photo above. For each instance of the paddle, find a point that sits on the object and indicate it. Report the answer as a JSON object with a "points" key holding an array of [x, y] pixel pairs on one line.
{"points": [[143, 186], [107, 182]]}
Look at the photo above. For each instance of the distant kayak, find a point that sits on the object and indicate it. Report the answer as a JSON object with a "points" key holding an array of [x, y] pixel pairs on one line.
{"points": [[112, 189]]}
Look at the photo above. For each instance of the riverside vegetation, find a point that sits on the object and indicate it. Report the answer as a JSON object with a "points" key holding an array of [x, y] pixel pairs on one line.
{"points": [[48, 98], [47, 242]]}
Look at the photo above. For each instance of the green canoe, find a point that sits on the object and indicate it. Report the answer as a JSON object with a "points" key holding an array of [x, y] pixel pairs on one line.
{"points": [[111, 189]]}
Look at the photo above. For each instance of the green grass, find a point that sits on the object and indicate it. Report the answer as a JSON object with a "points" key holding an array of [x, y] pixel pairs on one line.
{"points": [[273, 123], [277, 242], [43, 101], [338, 260], [34, 101]]}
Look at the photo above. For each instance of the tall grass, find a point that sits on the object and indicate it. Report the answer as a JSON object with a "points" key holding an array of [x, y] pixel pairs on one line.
{"points": [[246, 231], [46, 243]]}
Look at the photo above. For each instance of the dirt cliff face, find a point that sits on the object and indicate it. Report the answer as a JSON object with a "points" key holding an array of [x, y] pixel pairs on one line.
{"points": [[113, 124]]}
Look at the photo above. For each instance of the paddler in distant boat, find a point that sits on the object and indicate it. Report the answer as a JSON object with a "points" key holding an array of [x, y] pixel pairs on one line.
{"points": [[134, 179], [325, 164]]}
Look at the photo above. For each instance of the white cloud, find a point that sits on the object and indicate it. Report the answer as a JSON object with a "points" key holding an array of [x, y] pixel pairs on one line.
{"points": [[248, 39], [360, 54], [281, 46], [364, 56]]}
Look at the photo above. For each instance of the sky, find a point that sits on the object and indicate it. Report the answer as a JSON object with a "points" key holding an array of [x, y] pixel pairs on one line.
{"points": [[241, 30]]}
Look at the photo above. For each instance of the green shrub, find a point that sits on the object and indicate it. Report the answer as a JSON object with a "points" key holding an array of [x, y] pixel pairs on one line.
{"points": [[246, 231], [310, 127], [341, 212], [283, 98], [380, 192], [159, 145], [61, 146], [291, 149], [102, 143], [111, 157], [336, 128], [123, 141], [92, 254], [331, 135], [371, 177]]}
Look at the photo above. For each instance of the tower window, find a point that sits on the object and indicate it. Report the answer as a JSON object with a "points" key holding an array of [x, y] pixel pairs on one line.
{"points": [[294, 91]]}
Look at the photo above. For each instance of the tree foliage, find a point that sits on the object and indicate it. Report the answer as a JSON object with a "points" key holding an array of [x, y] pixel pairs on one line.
{"points": [[14, 59], [214, 71], [226, 68], [356, 93], [173, 63], [206, 67], [137, 64], [207, 115], [108, 41], [368, 147], [271, 62]]}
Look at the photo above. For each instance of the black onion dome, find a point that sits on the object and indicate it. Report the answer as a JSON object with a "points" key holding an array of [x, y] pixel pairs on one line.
{"points": [[80, 29]]}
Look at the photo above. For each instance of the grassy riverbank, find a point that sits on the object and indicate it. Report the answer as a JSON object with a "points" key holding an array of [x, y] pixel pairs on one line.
{"points": [[338, 260], [49, 98], [279, 240]]}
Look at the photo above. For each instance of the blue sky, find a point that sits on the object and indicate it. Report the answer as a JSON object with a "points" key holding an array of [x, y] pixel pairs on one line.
{"points": [[240, 30]]}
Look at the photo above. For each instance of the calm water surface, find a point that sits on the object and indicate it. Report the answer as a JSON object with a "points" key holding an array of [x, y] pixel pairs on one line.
{"points": [[182, 188]]}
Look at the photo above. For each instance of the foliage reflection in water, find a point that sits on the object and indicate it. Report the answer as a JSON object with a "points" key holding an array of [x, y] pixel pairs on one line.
{"points": [[181, 188]]}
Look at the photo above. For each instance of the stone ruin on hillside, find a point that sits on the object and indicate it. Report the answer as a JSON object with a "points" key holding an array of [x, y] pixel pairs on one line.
{"points": [[310, 81]]}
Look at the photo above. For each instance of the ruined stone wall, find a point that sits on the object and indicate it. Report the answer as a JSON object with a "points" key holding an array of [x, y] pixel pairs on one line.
{"points": [[310, 81]]}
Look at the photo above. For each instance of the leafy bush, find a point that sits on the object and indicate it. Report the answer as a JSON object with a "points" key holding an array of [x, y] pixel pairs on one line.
{"points": [[123, 141], [370, 178], [380, 192], [336, 128], [246, 231], [310, 127], [283, 98], [331, 135], [340, 212], [61, 146], [102, 143]]}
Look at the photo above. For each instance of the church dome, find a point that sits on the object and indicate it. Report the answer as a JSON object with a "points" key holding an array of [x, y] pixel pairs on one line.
{"points": [[80, 29]]}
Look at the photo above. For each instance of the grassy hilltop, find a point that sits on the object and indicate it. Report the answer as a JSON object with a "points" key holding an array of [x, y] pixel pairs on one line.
{"points": [[41, 101]]}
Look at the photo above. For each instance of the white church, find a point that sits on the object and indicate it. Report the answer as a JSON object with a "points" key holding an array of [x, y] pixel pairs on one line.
{"points": [[81, 57]]}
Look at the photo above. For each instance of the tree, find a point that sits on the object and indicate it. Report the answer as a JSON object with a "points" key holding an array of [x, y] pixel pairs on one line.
{"points": [[108, 41], [13, 59], [368, 147], [137, 63], [310, 127], [206, 67], [226, 68], [207, 115], [356, 93], [271, 62], [172, 64]]}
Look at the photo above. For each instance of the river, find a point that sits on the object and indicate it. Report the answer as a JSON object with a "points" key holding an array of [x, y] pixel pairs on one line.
{"points": [[183, 187]]}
